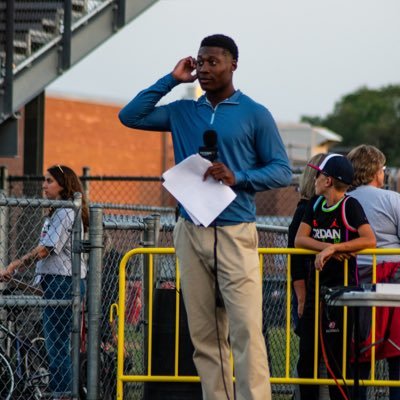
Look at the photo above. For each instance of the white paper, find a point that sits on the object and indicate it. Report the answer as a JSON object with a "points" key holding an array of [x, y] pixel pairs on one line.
{"points": [[203, 200]]}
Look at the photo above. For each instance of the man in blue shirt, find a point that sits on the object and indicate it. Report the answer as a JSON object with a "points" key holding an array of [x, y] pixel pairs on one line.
{"points": [[251, 158]]}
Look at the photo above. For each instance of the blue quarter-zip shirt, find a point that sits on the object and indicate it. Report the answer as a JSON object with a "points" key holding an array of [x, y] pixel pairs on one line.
{"points": [[249, 143]]}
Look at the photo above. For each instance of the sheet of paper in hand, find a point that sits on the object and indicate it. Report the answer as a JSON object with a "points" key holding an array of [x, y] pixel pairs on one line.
{"points": [[203, 200]]}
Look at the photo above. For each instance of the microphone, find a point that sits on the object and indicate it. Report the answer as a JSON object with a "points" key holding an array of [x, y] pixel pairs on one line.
{"points": [[210, 150]]}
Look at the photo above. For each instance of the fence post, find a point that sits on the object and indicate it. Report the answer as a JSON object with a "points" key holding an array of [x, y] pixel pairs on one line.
{"points": [[65, 62], [3, 220], [76, 294], [7, 86], [3, 238], [85, 181], [150, 239], [94, 302]]}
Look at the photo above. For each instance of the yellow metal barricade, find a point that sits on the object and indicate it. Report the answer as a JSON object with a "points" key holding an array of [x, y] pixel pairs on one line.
{"points": [[286, 378]]}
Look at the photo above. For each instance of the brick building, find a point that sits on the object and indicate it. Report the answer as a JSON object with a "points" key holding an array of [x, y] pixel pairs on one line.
{"points": [[80, 133]]}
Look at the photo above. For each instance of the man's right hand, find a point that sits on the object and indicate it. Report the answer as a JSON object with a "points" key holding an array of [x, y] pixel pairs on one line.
{"points": [[183, 71]]}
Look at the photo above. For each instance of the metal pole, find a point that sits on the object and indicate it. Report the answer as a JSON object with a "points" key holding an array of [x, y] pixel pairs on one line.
{"points": [[9, 47], [34, 141], [94, 302], [3, 240], [120, 14], [150, 239], [76, 294], [85, 181], [4, 180], [66, 37]]}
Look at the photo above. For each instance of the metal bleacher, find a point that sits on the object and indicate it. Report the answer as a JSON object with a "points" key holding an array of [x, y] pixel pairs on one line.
{"points": [[35, 24], [40, 39]]}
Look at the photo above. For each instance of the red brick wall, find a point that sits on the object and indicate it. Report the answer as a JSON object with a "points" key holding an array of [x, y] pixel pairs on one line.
{"points": [[79, 134]]}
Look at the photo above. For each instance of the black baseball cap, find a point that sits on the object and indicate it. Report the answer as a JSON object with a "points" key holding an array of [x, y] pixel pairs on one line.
{"points": [[336, 166]]}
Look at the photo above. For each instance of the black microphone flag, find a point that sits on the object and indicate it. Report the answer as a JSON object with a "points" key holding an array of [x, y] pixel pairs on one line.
{"points": [[210, 150]]}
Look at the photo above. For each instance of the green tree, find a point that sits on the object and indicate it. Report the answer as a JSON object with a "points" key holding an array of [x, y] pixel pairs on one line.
{"points": [[367, 116]]}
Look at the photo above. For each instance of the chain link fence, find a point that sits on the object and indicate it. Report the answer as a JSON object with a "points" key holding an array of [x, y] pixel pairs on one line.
{"points": [[36, 321], [140, 195], [145, 195], [126, 226], [21, 222]]}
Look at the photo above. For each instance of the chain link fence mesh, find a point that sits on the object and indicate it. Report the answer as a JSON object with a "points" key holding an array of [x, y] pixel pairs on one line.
{"points": [[121, 234], [35, 309], [142, 195], [124, 227], [128, 195]]}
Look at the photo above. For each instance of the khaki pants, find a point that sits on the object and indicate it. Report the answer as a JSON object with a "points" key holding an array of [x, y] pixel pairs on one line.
{"points": [[239, 280]]}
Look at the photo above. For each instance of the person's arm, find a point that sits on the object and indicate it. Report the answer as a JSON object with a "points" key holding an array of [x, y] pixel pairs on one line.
{"points": [[356, 220], [366, 240], [298, 269], [37, 253], [300, 290], [141, 112], [298, 262], [305, 241], [394, 203]]}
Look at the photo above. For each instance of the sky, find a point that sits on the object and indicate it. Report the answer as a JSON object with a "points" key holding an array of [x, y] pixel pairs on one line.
{"points": [[295, 57]]}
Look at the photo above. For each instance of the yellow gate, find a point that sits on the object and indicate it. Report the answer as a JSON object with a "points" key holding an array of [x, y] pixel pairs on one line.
{"points": [[286, 377]]}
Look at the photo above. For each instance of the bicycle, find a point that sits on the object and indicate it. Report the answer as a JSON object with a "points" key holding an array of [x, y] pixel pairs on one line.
{"points": [[24, 372]]}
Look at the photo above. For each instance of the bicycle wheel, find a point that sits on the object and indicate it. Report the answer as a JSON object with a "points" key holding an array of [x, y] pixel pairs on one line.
{"points": [[108, 376], [82, 376], [6, 378], [36, 366]]}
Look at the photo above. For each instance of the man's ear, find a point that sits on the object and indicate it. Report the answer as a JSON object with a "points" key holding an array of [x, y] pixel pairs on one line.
{"points": [[234, 65]]}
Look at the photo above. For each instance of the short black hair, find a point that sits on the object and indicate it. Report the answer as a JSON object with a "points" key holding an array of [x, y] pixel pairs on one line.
{"points": [[223, 41]]}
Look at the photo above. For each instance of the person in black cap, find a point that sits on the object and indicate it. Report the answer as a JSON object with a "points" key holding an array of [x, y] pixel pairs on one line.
{"points": [[335, 225]]}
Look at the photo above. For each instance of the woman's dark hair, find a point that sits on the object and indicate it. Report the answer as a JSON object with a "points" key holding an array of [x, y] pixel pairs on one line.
{"points": [[70, 184]]}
